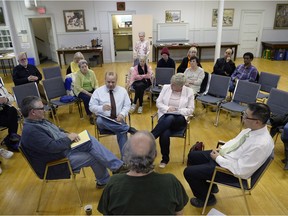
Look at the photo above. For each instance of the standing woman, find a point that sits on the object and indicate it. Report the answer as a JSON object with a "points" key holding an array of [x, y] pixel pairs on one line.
{"points": [[85, 84], [142, 48], [186, 60], [194, 75], [175, 103], [140, 80], [73, 66]]}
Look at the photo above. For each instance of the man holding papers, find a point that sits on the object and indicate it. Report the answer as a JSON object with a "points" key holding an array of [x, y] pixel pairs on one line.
{"points": [[45, 142], [111, 103]]}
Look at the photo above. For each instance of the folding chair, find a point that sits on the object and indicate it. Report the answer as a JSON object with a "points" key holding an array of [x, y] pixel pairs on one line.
{"points": [[245, 185], [267, 82], [62, 164], [245, 92], [162, 77], [52, 72], [217, 91], [184, 133], [204, 85], [54, 89]]}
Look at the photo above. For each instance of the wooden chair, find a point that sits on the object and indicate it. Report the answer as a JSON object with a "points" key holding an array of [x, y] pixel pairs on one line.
{"points": [[245, 185], [68, 173]]}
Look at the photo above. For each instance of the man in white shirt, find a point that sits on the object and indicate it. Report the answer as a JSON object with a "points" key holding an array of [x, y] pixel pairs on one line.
{"points": [[101, 104], [242, 155]]}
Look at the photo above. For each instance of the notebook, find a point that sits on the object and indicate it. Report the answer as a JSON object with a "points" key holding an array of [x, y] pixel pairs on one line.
{"points": [[84, 137]]}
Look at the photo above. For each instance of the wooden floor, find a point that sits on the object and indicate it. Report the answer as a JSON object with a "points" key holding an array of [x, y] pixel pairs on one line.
{"points": [[19, 188]]}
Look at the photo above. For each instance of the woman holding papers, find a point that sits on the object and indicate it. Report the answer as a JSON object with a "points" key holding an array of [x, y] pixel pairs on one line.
{"points": [[175, 103], [85, 84]]}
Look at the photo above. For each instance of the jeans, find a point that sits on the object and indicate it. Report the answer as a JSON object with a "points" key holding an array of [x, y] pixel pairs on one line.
{"points": [[167, 125], [140, 87], [86, 100], [9, 118], [95, 155], [119, 129]]}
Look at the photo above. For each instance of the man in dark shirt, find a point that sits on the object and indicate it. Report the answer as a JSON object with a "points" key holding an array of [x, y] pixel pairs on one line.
{"points": [[166, 61], [225, 66], [24, 72]]}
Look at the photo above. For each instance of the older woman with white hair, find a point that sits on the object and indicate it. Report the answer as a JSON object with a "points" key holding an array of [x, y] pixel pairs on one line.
{"points": [[140, 80], [73, 66], [186, 60], [85, 84], [175, 103], [142, 48]]}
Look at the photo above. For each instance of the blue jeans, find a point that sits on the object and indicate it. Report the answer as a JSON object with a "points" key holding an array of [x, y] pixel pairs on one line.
{"points": [[119, 129], [86, 100], [95, 155]]}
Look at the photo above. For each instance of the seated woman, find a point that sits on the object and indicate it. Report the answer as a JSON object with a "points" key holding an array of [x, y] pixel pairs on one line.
{"points": [[177, 99], [8, 114], [194, 75], [186, 60], [84, 86], [73, 66], [140, 80]]}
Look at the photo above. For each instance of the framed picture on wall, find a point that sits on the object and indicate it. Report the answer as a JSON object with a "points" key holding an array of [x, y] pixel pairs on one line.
{"points": [[281, 17], [2, 20], [172, 16], [228, 17], [74, 20]]}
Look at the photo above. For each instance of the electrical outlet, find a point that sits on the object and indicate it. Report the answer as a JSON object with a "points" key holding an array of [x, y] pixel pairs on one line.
{"points": [[94, 28]]}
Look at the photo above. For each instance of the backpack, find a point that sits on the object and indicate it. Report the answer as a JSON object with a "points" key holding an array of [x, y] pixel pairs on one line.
{"points": [[12, 145]]}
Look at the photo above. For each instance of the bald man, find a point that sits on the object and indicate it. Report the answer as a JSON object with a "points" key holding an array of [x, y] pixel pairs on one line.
{"points": [[141, 190]]}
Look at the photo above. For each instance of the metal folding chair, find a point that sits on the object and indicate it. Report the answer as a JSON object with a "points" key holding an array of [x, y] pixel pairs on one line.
{"points": [[267, 82], [52, 72]]}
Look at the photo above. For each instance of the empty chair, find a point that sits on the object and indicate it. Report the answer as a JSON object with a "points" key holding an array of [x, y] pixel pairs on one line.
{"points": [[267, 82], [217, 90], [245, 92], [54, 90], [52, 72]]}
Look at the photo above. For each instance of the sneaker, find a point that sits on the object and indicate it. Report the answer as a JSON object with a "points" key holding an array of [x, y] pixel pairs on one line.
{"points": [[123, 169], [199, 203], [133, 107], [162, 165], [5, 153], [100, 186], [140, 110], [132, 130]]}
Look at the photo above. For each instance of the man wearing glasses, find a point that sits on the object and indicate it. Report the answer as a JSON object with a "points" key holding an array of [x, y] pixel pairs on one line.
{"points": [[44, 142], [242, 155]]}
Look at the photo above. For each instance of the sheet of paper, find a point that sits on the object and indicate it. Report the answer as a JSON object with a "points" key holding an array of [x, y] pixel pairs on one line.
{"points": [[84, 137]]}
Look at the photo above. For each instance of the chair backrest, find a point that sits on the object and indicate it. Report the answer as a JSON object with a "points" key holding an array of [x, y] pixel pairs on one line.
{"points": [[52, 72], [205, 83], [246, 92], [278, 101], [22, 91], [268, 81], [54, 87], [163, 76], [219, 85]]}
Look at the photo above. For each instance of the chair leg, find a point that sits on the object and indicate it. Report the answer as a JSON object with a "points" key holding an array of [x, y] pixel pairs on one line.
{"points": [[209, 191], [184, 151], [244, 194], [217, 117], [75, 184], [42, 187]]}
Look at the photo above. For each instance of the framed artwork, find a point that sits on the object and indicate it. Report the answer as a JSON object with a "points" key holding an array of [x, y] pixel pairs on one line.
{"points": [[172, 16], [228, 17], [120, 6], [281, 17], [2, 20], [74, 20]]}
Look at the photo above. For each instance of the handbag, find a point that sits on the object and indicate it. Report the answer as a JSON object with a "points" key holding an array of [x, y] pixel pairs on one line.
{"points": [[198, 146]]}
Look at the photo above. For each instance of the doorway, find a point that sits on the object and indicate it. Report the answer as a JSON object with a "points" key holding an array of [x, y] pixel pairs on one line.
{"points": [[251, 32], [43, 39]]}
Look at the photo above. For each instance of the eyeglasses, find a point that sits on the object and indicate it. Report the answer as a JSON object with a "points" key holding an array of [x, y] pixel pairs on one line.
{"points": [[23, 59], [39, 108], [245, 116]]}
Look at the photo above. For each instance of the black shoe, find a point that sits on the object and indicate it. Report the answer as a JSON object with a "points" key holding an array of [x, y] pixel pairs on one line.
{"points": [[100, 186], [199, 203], [123, 169], [91, 120], [214, 189], [132, 130]]}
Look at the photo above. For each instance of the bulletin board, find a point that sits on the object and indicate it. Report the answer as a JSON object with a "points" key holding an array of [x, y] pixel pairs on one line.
{"points": [[172, 31]]}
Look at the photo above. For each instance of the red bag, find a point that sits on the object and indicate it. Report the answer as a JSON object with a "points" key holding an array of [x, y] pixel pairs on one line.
{"points": [[198, 146]]}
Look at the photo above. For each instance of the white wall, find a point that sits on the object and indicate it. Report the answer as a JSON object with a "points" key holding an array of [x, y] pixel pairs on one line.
{"points": [[197, 13]]}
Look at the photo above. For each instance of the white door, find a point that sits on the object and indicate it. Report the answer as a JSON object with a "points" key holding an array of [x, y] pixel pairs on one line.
{"points": [[250, 32], [143, 23], [51, 40]]}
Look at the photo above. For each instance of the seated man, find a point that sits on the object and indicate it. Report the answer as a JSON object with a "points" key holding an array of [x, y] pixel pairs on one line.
{"points": [[112, 101], [284, 138], [225, 66], [242, 155], [166, 61], [141, 190], [244, 71], [45, 142]]}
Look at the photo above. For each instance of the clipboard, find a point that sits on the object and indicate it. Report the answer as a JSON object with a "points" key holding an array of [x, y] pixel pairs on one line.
{"points": [[112, 120], [84, 137]]}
